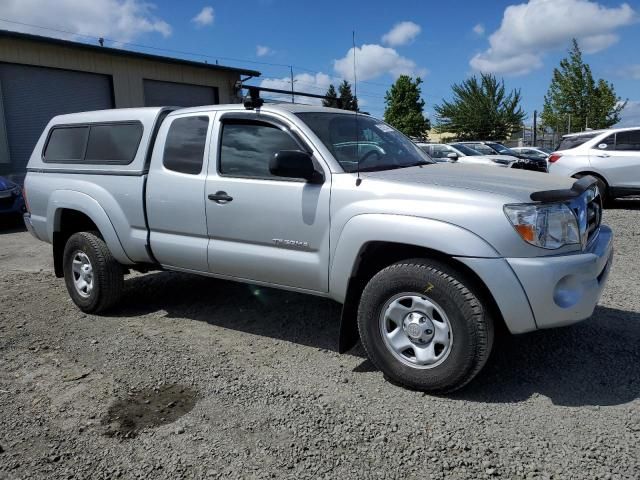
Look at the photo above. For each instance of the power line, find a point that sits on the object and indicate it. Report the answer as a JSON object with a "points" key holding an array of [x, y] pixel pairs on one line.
{"points": [[215, 57], [138, 45], [180, 52]]}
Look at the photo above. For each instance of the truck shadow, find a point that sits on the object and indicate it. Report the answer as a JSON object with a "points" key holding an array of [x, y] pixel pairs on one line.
{"points": [[288, 316], [596, 362]]}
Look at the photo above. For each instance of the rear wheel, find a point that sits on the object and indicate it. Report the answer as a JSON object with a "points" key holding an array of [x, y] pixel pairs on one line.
{"points": [[94, 279], [422, 325]]}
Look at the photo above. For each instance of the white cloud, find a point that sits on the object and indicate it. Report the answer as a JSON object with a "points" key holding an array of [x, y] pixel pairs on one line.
{"points": [[204, 18], [304, 82], [528, 30], [121, 20], [373, 61], [630, 115], [401, 34], [478, 29], [631, 71], [263, 51]]}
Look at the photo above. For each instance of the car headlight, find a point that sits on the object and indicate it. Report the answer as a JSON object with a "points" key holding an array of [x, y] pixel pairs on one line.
{"points": [[549, 226]]}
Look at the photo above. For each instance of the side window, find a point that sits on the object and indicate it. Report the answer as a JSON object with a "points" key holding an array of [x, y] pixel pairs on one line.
{"points": [[246, 148], [66, 144], [440, 151], [116, 143], [608, 143], [184, 148], [629, 140]]}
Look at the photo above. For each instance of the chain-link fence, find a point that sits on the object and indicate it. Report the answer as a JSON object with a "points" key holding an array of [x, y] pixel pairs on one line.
{"points": [[543, 138]]}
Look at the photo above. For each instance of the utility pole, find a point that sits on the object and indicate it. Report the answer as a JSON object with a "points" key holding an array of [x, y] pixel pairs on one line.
{"points": [[293, 98], [535, 128]]}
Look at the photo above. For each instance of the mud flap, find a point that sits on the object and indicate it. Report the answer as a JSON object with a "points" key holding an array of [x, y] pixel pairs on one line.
{"points": [[349, 335]]}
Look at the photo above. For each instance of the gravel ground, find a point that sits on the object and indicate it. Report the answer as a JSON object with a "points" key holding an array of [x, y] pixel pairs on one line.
{"points": [[194, 377]]}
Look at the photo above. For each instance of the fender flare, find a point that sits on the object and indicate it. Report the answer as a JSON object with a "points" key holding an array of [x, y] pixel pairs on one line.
{"points": [[446, 238], [73, 200]]}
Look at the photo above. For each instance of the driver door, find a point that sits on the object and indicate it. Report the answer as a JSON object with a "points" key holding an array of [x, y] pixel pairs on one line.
{"points": [[265, 229]]}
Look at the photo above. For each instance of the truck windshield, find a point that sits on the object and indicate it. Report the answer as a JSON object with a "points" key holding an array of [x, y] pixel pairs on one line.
{"points": [[364, 142]]}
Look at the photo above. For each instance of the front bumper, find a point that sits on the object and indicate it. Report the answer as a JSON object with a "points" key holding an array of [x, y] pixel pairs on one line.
{"points": [[565, 289]]}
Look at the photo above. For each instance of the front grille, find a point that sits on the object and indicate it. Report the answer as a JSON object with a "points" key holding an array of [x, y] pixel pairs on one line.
{"points": [[593, 214]]}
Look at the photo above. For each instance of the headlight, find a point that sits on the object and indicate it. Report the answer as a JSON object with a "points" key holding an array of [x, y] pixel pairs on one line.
{"points": [[546, 225]]}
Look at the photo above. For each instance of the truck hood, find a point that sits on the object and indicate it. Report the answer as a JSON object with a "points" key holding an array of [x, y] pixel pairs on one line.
{"points": [[517, 185]]}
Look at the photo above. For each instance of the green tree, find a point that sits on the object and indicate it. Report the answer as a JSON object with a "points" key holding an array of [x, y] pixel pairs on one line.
{"points": [[347, 100], [332, 97], [575, 98], [481, 109], [404, 107]]}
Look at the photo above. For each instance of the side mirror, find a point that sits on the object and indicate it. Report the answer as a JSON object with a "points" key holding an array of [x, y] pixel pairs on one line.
{"points": [[453, 156], [603, 146], [295, 164]]}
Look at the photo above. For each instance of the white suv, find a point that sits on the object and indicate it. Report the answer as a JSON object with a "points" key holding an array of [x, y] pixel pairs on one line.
{"points": [[612, 156]]}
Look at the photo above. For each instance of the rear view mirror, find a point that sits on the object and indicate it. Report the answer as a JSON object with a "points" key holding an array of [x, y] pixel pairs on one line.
{"points": [[452, 156], [295, 164]]}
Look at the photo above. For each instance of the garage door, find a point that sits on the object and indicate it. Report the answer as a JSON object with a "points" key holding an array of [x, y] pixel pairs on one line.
{"points": [[31, 96], [157, 94]]}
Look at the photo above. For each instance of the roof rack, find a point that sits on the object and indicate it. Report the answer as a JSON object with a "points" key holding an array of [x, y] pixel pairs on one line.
{"points": [[252, 99]]}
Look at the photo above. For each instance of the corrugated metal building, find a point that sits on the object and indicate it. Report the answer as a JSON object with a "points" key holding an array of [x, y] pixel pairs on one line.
{"points": [[41, 77]]}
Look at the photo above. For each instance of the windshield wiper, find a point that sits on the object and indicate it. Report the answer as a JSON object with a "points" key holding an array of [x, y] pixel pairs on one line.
{"points": [[380, 168]]}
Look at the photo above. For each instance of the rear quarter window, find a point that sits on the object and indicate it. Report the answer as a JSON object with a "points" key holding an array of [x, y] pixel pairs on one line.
{"points": [[185, 145], [574, 141]]}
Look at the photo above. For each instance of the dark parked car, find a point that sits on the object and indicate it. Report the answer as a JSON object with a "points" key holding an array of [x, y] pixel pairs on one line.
{"points": [[525, 161], [11, 200]]}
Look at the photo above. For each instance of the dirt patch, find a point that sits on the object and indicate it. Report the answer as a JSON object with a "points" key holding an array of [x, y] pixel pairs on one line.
{"points": [[148, 408]]}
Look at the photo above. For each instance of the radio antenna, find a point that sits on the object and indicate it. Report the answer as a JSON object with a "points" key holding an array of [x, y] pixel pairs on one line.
{"points": [[355, 97]]}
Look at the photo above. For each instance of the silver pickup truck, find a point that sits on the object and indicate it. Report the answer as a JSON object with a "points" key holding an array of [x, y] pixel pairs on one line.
{"points": [[426, 258]]}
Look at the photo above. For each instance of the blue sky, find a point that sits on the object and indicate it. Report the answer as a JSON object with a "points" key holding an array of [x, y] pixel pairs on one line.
{"points": [[444, 42]]}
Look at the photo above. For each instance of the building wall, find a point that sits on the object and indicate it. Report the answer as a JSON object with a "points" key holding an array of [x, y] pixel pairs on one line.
{"points": [[127, 72]]}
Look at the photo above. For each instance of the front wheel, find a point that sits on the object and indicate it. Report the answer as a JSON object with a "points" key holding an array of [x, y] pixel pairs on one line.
{"points": [[422, 325], [94, 279]]}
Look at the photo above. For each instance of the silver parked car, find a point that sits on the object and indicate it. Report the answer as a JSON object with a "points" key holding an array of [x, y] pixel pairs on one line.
{"points": [[442, 152], [426, 258], [611, 156]]}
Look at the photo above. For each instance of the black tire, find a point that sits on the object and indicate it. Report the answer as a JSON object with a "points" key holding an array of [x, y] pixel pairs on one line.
{"points": [[603, 188], [107, 277], [472, 328]]}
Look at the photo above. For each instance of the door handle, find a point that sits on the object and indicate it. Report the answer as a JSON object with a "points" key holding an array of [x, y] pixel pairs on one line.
{"points": [[220, 197], [604, 155]]}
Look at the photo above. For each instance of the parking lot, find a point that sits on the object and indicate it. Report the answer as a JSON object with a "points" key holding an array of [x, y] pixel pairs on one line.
{"points": [[194, 377]]}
